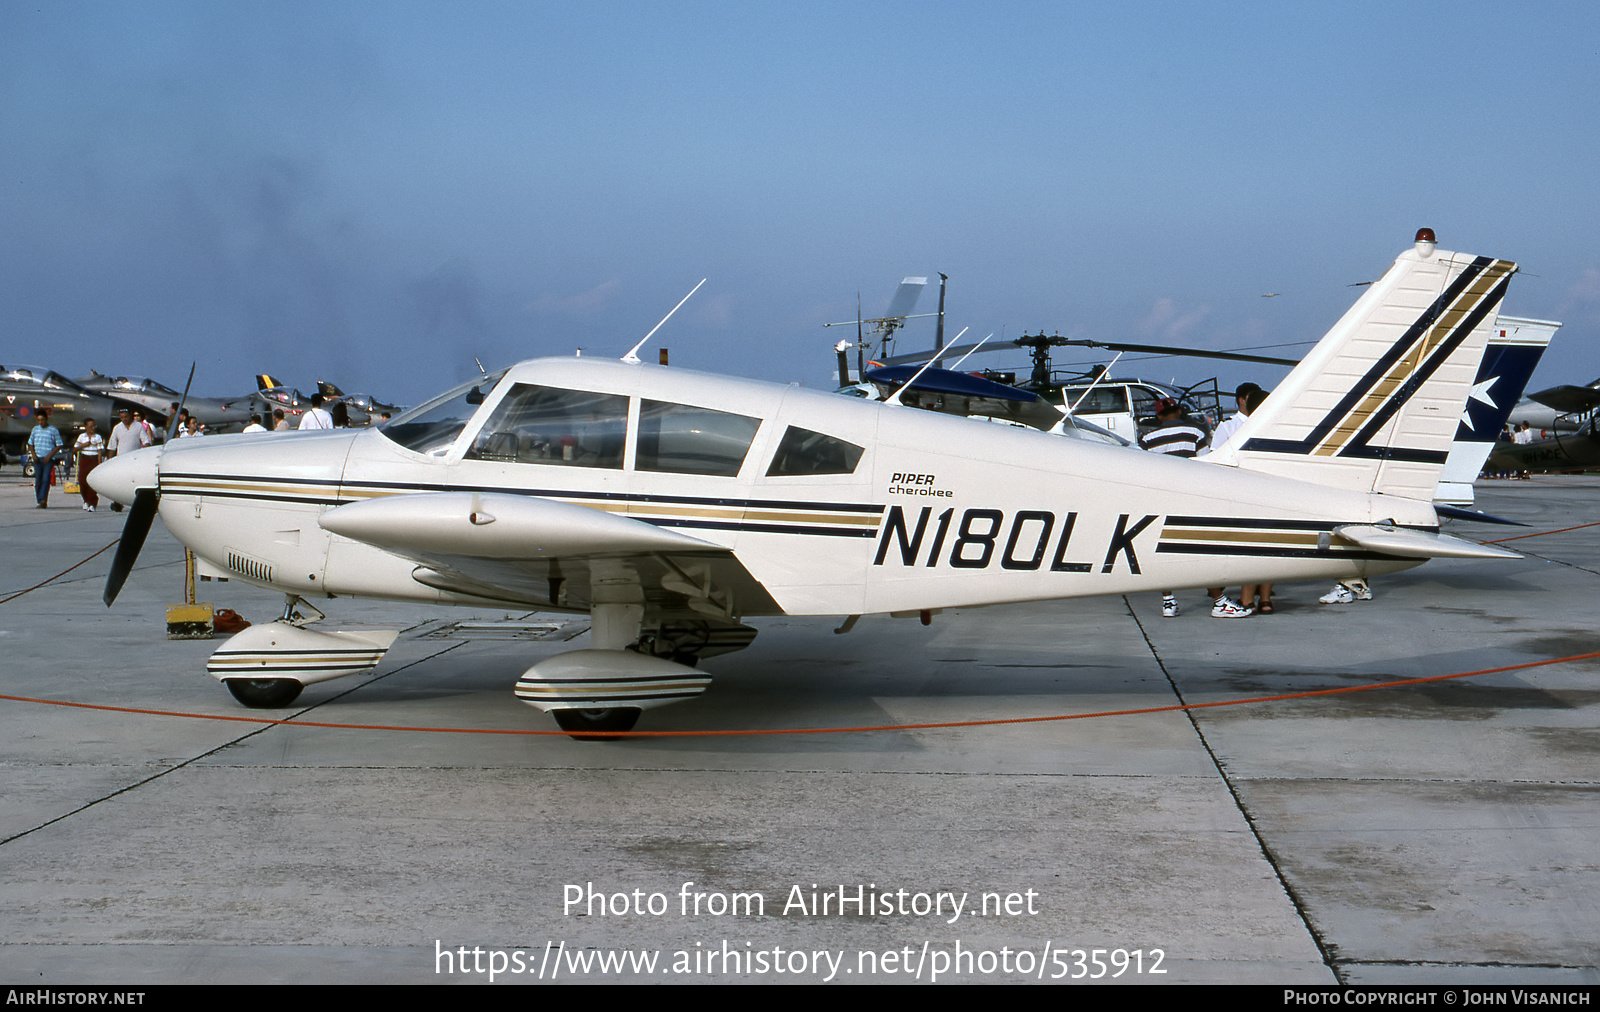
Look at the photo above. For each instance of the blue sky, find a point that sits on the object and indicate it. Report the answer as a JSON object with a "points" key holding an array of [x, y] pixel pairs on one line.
{"points": [[376, 193]]}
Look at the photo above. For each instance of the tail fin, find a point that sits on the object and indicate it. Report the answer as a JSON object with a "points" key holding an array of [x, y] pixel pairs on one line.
{"points": [[1375, 404], [266, 382], [1515, 347]]}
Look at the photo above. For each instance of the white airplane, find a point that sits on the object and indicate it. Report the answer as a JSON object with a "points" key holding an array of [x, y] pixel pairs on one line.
{"points": [[674, 506]]}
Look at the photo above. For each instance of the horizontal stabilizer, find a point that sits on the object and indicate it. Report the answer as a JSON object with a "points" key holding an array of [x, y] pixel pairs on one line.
{"points": [[1445, 510], [1418, 544], [1568, 399], [498, 526]]}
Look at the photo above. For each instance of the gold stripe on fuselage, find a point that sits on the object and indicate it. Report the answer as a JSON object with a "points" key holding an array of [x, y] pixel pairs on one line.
{"points": [[846, 518]]}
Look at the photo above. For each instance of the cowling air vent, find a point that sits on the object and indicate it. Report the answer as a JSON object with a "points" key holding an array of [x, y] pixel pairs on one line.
{"points": [[249, 568]]}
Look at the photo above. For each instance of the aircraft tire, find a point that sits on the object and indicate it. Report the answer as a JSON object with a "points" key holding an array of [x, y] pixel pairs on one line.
{"points": [[264, 693], [615, 718], [27, 469]]}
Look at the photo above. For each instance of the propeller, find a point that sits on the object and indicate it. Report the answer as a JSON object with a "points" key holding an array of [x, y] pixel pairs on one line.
{"points": [[172, 423], [140, 516], [146, 500]]}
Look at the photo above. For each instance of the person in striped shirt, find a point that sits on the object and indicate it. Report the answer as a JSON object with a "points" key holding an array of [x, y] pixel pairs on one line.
{"points": [[1180, 437], [1174, 433]]}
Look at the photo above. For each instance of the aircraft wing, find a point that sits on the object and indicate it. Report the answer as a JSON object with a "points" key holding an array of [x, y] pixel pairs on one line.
{"points": [[538, 551]]}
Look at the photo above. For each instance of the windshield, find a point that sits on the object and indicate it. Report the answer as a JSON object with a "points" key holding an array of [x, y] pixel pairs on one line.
{"points": [[43, 377], [432, 427]]}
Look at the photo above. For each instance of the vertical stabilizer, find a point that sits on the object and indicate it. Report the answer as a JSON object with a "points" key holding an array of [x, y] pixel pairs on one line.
{"points": [[1515, 347], [1376, 403]]}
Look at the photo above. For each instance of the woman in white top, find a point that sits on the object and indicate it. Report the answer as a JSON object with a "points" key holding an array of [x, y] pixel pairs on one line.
{"points": [[90, 446]]}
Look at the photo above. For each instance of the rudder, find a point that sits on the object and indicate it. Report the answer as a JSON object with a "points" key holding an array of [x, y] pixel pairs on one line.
{"points": [[1375, 405]]}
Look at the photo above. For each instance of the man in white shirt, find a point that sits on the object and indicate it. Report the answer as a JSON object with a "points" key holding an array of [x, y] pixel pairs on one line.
{"points": [[1226, 429], [316, 417], [124, 435], [255, 425], [1221, 605]]}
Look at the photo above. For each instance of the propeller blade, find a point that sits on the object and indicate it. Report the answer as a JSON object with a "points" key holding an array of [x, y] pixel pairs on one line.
{"points": [[172, 423], [140, 516]]}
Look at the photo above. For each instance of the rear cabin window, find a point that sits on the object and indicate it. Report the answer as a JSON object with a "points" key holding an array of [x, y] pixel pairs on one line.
{"points": [[546, 425], [689, 440], [805, 452]]}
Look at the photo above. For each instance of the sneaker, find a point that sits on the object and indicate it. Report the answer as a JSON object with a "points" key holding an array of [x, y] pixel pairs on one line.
{"points": [[1361, 589], [1224, 608], [1169, 607], [1340, 594]]}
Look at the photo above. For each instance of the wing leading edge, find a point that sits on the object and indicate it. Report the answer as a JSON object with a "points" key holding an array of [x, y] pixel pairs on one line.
{"points": [[538, 551]]}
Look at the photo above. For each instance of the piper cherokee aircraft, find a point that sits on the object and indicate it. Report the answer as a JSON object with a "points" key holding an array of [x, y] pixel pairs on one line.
{"points": [[675, 506]]}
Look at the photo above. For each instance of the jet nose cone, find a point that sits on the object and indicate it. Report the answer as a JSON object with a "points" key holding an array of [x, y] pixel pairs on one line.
{"points": [[123, 475]]}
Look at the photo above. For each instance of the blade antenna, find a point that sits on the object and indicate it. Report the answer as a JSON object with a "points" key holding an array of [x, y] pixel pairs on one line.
{"points": [[633, 353], [861, 341], [894, 398], [957, 363]]}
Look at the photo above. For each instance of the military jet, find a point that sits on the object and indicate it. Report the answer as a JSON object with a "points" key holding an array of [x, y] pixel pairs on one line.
{"points": [[25, 390], [215, 413], [364, 409], [1563, 408], [675, 507]]}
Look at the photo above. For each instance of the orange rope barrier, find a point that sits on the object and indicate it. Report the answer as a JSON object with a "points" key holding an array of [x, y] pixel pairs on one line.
{"points": [[1541, 534], [291, 722], [59, 575]]}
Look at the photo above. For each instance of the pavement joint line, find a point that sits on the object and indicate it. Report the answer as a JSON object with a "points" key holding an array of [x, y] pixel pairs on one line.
{"points": [[1559, 562], [208, 752], [1289, 890]]}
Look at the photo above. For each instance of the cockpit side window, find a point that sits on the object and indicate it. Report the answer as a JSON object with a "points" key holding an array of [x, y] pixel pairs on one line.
{"points": [[545, 425], [805, 452], [1102, 400], [689, 440], [432, 427], [1144, 402]]}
